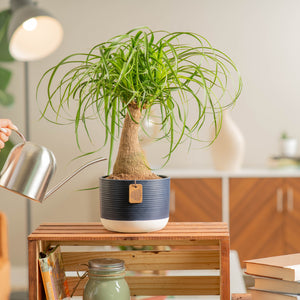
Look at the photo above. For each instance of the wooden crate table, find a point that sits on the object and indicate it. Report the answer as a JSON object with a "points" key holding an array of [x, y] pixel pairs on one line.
{"points": [[179, 246]]}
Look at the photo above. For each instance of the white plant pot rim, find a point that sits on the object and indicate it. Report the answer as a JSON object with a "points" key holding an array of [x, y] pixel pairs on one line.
{"points": [[134, 226]]}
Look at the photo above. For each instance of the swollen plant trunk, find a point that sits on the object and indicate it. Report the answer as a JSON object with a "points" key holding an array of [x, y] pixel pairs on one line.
{"points": [[131, 162]]}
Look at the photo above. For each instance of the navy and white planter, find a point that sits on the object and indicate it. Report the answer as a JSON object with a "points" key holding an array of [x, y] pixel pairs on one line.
{"points": [[117, 214]]}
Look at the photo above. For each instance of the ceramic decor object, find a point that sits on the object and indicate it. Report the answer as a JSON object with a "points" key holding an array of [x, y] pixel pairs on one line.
{"points": [[228, 149]]}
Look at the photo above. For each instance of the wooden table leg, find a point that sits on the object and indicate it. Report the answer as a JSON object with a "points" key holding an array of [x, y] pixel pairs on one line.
{"points": [[34, 280], [224, 270]]}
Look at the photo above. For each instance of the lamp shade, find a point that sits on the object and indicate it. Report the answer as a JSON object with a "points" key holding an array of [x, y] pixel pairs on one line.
{"points": [[32, 33]]}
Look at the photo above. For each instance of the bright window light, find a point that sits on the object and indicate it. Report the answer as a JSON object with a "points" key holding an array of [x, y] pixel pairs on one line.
{"points": [[30, 24]]}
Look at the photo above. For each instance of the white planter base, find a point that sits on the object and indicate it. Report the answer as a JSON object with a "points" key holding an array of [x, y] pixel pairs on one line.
{"points": [[134, 226]]}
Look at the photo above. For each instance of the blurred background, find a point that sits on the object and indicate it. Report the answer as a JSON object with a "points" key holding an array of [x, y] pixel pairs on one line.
{"points": [[262, 39]]}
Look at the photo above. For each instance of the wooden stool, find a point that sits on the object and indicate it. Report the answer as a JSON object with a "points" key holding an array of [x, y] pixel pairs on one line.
{"points": [[241, 297], [206, 248]]}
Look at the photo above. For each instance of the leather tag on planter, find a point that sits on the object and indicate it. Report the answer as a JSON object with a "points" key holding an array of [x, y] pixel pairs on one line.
{"points": [[135, 193]]}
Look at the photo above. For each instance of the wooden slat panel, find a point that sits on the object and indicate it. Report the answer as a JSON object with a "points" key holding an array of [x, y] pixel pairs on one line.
{"points": [[178, 228], [163, 285], [170, 224], [97, 225], [35, 280], [225, 270], [173, 231], [200, 243], [255, 224], [149, 260], [174, 285]]}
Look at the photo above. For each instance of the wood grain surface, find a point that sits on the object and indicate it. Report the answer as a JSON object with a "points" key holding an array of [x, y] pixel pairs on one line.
{"points": [[156, 263], [196, 200]]}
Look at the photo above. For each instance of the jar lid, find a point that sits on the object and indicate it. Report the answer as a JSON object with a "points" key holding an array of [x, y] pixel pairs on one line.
{"points": [[106, 264]]}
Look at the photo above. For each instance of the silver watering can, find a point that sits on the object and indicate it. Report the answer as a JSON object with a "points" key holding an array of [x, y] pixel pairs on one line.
{"points": [[29, 168]]}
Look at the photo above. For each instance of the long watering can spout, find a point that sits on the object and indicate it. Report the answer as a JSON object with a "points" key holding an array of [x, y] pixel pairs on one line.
{"points": [[55, 188], [29, 168]]}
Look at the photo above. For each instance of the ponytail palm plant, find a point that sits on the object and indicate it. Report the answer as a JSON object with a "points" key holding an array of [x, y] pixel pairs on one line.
{"points": [[120, 81]]}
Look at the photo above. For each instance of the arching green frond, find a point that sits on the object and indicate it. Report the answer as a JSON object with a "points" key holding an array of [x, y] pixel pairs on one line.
{"points": [[146, 69]]}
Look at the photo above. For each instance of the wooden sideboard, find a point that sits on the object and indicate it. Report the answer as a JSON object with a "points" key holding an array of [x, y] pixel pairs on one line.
{"points": [[262, 207], [264, 216], [194, 199]]}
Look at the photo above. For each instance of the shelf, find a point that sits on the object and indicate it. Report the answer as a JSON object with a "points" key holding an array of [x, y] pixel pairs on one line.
{"points": [[180, 246]]}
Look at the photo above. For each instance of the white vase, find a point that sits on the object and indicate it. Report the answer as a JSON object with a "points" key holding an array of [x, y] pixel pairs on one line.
{"points": [[228, 149]]}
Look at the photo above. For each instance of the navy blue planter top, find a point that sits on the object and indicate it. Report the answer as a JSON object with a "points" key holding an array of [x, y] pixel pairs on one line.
{"points": [[114, 199]]}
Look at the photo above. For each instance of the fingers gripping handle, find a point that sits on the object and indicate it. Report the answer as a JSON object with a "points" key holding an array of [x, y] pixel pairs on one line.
{"points": [[4, 130]]}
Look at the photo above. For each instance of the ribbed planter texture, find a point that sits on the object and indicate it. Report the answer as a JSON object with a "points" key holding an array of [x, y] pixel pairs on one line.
{"points": [[118, 214]]}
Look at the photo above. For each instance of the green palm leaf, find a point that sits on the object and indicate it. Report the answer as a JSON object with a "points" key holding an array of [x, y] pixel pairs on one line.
{"points": [[144, 69]]}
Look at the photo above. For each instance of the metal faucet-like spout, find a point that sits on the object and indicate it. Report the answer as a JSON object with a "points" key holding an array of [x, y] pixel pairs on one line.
{"points": [[55, 188]]}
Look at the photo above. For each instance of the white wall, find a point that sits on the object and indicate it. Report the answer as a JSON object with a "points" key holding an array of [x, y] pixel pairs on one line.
{"points": [[261, 36]]}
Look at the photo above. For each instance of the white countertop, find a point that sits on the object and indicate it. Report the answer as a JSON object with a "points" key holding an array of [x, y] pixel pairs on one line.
{"points": [[210, 173]]}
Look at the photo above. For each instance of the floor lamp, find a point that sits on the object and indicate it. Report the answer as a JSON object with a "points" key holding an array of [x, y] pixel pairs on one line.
{"points": [[28, 137], [32, 35]]}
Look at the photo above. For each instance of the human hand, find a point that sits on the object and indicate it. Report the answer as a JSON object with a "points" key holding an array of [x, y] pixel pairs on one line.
{"points": [[5, 125]]}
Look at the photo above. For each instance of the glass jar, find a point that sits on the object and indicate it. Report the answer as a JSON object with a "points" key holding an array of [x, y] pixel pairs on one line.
{"points": [[106, 280]]}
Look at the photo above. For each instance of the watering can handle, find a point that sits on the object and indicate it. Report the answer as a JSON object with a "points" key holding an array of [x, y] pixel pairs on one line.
{"points": [[16, 131], [55, 188]]}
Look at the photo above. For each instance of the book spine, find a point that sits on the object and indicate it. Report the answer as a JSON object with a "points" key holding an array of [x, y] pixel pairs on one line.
{"points": [[47, 278], [296, 270], [58, 275]]}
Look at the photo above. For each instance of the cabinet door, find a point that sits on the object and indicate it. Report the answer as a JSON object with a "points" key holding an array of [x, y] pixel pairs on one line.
{"points": [[196, 200], [256, 217], [292, 216]]}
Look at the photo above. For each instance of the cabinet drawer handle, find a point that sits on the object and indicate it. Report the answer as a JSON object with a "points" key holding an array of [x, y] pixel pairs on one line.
{"points": [[279, 205], [290, 199]]}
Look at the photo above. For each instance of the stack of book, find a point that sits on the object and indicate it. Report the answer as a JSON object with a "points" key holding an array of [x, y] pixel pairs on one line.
{"points": [[276, 278], [284, 162]]}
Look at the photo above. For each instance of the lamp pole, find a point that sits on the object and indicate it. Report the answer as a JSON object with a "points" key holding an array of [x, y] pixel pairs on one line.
{"points": [[27, 135]]}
